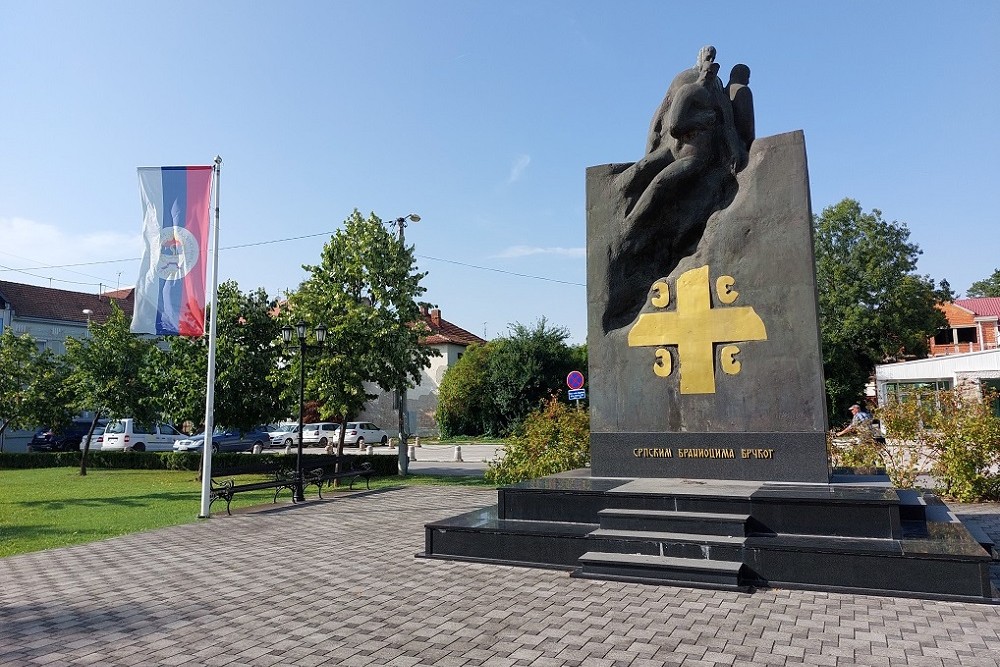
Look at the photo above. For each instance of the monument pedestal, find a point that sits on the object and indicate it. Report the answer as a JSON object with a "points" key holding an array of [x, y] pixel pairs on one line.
{"points": [[845, 537]]}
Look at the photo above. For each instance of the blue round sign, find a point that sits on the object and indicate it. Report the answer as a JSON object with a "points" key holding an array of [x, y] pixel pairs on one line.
{"points": [[574, 380]]}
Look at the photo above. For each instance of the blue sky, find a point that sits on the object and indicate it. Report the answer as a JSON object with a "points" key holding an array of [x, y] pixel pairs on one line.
{"points": [[481, 117]]}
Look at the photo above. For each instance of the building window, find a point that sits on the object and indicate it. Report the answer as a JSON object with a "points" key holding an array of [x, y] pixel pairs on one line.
{"points": [[902, 391], [956, 335], [966, 335]]}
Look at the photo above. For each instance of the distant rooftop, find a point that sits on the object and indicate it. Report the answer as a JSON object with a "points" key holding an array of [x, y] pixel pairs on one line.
{"points": [[985, 306], [443, 331], [47, 303]]}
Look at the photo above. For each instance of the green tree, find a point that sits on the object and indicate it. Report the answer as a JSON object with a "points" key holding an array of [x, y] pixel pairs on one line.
{"points": [[527, 366], [33, 387], [986, 287], [493, 387], [873, 306], [112, 373], [944, 292], [365, 290], [247, 353], [465, 405]]}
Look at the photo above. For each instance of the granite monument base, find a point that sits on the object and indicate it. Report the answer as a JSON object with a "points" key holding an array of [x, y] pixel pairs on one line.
{"points": [[841, 536]]}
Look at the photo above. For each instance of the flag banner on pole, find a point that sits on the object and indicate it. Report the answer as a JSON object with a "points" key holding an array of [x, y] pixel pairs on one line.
{"points": [[170, 291]]}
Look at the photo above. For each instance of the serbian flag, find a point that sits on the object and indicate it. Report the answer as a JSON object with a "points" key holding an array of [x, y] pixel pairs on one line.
{"points": [[170, 292]]}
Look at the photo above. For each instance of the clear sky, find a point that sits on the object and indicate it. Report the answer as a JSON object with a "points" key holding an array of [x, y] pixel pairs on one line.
{"points": [[481, 117]]}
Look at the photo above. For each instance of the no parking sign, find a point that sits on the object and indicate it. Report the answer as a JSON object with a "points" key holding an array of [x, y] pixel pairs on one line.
{"points": [[575, 383], [574, 380]]}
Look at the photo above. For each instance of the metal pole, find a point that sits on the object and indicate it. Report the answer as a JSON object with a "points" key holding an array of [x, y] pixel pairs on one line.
{"points": [[299, 491], [206, 449], [403, 462]]}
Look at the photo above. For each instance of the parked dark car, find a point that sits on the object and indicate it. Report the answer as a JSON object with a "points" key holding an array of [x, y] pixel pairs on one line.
{"points": [[64, 439], [227, 440]]}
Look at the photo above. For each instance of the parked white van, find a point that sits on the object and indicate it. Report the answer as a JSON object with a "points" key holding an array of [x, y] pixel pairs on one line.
{"points": [[121, 434]]}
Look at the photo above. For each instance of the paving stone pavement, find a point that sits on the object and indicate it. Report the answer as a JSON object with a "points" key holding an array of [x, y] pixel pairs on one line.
{"points": [[336, 582]]}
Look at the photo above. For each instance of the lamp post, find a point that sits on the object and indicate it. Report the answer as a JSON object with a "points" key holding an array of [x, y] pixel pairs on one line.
{"points": [[286, 337], [404, 460]]}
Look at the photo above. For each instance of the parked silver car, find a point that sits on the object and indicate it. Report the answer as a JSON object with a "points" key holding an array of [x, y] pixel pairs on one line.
{"points": [[285, 435], [320, 435]]}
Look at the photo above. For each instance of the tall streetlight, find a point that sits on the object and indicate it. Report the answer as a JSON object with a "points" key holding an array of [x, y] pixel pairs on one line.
{"points": [[404, 459], [286, 337]]}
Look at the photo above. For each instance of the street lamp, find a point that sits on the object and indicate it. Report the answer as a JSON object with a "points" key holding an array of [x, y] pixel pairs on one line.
{"points": [[403, 460], [286, 337]]}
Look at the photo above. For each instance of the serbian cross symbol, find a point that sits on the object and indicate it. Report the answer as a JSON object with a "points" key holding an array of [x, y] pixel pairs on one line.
{"points": [[695, 328]]}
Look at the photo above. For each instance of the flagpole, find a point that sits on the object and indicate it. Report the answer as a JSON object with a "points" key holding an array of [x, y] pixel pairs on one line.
{"points": [[206, 448]]}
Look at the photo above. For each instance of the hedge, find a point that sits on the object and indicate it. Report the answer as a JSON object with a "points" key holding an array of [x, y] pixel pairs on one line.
{"points": [[384, 465]]}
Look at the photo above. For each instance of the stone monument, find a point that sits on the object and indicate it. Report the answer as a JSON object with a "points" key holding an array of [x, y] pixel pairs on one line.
{"points": [[703, 333], [707, 406]]}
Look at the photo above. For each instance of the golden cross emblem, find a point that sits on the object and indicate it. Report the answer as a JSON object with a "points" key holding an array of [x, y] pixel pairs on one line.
{"points": [[695, 328]]}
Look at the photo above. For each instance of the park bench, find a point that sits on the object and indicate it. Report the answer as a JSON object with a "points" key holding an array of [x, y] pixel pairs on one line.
{"points": [[282, 476], [328, 474]]}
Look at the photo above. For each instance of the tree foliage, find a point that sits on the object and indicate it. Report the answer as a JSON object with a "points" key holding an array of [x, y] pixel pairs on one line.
{"points": [[553, 438], [112, 372], [493, 387], [952, 434], [986, 287], [465, 405], [33, 387], [365, 290], [873, 306], [247, 352]]}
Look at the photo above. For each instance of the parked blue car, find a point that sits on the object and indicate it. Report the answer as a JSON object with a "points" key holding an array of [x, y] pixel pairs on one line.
{"points": [[227, 440]]}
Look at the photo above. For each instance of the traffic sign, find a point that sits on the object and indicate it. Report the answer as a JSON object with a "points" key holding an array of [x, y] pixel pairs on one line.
{"points": [[574, 380], [577, 394]]}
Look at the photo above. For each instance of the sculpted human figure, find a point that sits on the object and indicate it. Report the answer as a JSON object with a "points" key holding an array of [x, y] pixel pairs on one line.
{"points": [[693, 153], [738, 91]]}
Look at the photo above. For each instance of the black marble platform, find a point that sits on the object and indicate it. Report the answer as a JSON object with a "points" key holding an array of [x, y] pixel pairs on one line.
{"points": [[857, 535]]}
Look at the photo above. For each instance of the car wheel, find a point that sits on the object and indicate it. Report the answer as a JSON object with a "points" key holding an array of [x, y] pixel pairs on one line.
{"points": [[288, 442], [258, 447], [385, 440], [322, 442], [215, 448], [138, 447], [361, 443]]}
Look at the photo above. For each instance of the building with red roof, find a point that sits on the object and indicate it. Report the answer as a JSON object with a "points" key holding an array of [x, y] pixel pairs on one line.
{"points": [[972, 326], [451, 341], [53, 315]]}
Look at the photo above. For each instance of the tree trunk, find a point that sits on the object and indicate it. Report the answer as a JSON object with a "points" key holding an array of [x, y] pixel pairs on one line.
{"points": [[86, 444], [340, 447], [3, 428], [403, 454]]}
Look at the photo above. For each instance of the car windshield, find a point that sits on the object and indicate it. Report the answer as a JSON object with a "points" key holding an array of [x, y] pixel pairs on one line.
{"points": [[288, 428], [115, 427]]}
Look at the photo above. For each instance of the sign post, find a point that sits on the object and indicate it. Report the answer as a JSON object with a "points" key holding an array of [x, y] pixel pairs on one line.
{"points": [[575, 382]]}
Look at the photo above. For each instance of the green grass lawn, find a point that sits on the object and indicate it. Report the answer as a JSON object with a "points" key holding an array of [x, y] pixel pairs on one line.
{"points": [[53, 507]]}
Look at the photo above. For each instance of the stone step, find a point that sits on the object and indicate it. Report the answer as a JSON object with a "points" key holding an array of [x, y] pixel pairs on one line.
{"points": [[694, 572], [671, 544], [708, 523]]}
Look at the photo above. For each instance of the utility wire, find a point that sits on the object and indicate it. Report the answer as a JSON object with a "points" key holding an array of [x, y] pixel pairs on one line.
{"points": [[282, 240]]}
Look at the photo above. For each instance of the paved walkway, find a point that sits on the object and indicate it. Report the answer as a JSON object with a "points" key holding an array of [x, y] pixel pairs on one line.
{"points": [[335, 582]]}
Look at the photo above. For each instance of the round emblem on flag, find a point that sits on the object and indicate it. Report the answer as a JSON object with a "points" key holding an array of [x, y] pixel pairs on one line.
{"points": [[178, 253]]}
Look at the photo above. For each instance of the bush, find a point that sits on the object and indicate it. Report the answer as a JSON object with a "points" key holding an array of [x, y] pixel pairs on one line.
{"points": [[553, 438], [382, 464], [953, 434]]}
